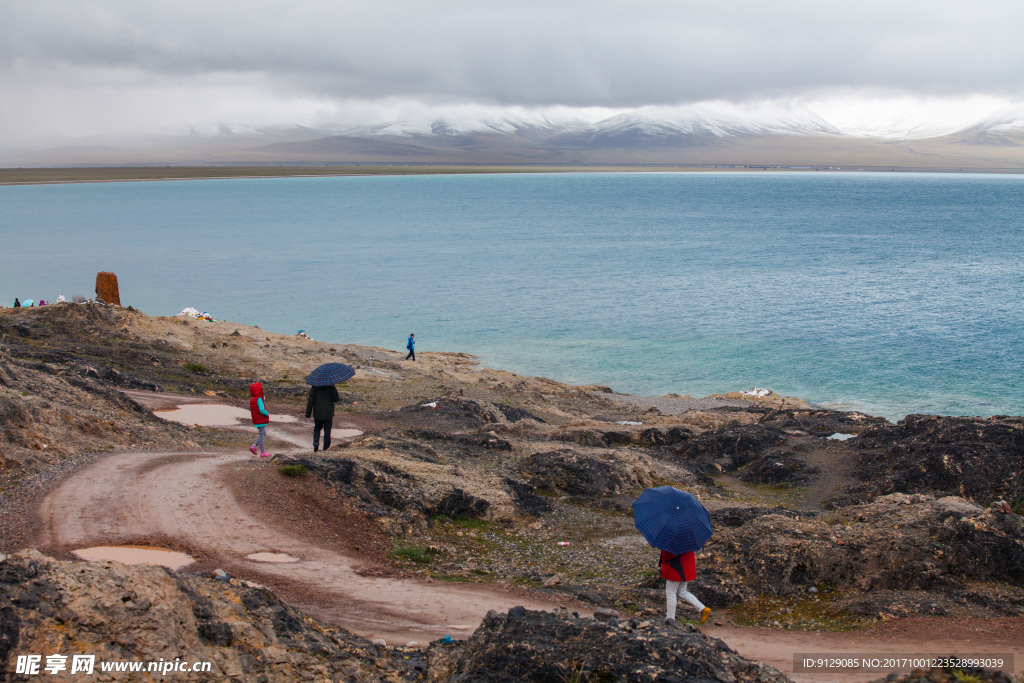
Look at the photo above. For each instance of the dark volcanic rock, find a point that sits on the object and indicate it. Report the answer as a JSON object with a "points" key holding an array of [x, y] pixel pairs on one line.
{"points": [[595, 438], [429, 444], [537, 646], [778, 468], [937, 675], [384, 489], [586, 476], [526, 501], [823, 422], [738, 516], [979, 459], [724, 450], [456, 414], [896, 543], [660, 436]]}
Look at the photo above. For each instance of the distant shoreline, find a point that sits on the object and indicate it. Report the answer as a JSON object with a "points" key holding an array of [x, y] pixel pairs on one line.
{"points": [[98, 174]]}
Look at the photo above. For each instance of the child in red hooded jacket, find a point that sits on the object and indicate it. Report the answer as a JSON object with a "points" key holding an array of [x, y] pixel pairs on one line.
{"points": [[260, 417], [678, 570]]}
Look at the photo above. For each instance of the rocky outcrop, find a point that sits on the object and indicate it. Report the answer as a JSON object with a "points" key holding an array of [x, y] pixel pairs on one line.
{"points": [[586, 476], [456, 414], [386, 489], [822, 422], [49, 412], [896, 543], [781, 467], [724, 450], [123, 613], [602, 437], [523, 645], [981, 459], [950, 675]]}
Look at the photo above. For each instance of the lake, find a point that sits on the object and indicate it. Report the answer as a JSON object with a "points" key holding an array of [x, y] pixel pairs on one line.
{"points": [[887, 293]]}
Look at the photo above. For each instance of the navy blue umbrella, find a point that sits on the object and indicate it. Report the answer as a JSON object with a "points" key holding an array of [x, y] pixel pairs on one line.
{"points": [[672, 520], [330, 374]]}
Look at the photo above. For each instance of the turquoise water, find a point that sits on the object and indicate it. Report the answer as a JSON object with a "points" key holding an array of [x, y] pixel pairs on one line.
{"points": [[887, 293]]}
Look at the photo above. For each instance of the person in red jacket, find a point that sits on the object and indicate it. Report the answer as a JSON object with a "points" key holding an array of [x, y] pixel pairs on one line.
{"points": [[678, 570], [260, 417]]}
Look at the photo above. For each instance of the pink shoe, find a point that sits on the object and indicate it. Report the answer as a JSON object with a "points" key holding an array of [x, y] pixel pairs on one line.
{"points": [[265, 454], [253, 449]]}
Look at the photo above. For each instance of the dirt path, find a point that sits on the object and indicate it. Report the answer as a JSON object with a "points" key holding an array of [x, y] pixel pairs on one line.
{"points": [[180, 496], [184, 498], [200, 502]]}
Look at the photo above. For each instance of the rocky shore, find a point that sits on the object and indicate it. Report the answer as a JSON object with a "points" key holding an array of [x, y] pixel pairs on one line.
{"points": [[824, 520]]}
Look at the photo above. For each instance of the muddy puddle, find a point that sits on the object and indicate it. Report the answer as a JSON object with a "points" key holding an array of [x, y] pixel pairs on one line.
{"points": [[271, 557], [136, 554], [214, 415]]}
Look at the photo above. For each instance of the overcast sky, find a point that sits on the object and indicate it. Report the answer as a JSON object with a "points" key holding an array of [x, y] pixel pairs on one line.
{"points": [[86, 67]]}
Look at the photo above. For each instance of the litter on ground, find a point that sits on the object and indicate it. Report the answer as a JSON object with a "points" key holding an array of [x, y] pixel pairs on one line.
{"points": [[190, 312]]}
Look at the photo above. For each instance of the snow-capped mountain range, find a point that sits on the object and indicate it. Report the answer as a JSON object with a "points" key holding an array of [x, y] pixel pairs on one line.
{"points": [[709, 133], [719, 119]]}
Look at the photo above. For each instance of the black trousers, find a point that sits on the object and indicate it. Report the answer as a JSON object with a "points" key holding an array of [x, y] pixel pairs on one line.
{"points": [[326, 426], [412, 354]]}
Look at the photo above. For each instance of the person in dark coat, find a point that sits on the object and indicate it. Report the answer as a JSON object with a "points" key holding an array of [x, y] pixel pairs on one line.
{"points": [[320, 405], [17, 304], [678, 570]]}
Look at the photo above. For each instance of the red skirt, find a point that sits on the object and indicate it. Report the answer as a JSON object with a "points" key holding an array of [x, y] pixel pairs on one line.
{"points": [[678, 567]]}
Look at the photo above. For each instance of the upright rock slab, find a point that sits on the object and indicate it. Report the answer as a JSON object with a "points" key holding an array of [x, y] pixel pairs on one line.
{"points": [[106, 288]]}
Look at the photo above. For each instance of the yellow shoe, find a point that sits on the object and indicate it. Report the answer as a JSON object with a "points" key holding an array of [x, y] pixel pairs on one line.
{"points": [[704, 614]]}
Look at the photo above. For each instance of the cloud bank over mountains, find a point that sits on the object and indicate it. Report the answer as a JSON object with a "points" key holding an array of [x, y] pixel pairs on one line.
{"points": [[70, 69]]}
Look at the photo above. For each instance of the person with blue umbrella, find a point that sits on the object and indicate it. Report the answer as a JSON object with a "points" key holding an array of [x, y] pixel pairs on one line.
{"points": [[674, 522], [322, 397]]}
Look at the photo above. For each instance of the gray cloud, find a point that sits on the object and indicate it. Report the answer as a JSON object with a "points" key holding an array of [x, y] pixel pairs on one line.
{"points": [[186, 58]]}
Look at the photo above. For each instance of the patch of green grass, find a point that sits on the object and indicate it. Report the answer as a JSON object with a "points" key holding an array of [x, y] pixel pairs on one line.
{"points": [[964, 677], [795, 612], [295, 470], [414, 553], [1019, 507], [24, 393], [195, 367]]}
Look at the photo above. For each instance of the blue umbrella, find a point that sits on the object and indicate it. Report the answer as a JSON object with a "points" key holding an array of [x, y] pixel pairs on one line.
{"points": [[672, 520], [330, 374]]}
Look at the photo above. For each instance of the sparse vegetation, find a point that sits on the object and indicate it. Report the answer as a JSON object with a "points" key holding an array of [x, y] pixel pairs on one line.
{"points": [[414, 553], [195, 368], [965, 677], [295, 470], [795, 612]]}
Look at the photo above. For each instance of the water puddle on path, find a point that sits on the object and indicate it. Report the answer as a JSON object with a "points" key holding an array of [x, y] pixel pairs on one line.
{"points": [[136, 554], [271, 557], [214, 415]]}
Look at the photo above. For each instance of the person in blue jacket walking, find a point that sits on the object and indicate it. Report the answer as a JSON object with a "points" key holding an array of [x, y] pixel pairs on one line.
{"points": [[411, 345]]}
